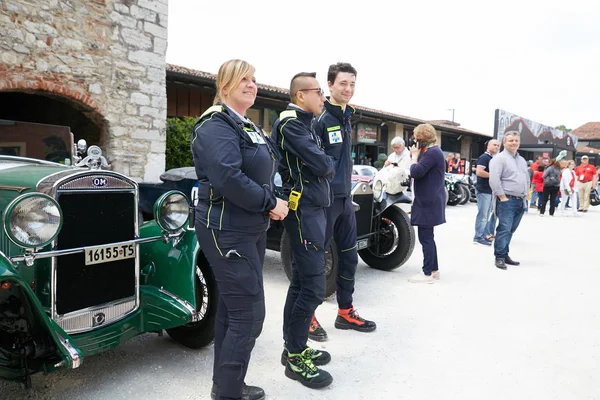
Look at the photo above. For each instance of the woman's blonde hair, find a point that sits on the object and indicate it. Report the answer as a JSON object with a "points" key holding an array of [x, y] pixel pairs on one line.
{"points": [[230, 75], [426, 132]]}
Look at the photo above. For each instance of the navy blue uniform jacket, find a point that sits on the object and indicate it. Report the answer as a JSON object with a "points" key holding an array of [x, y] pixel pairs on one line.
{"points": [[235, 163], [429, 204], [303, 164], [334, 128]]}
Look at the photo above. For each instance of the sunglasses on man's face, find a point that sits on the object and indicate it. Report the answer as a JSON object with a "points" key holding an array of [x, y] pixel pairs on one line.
{"points": [[319, 90]]}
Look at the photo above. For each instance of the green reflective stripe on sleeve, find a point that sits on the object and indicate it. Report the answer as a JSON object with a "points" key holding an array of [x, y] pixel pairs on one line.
{"points": [[222, 211], [216, 244], [288, 114], [203, 122], [281, 131], [211, 110], [353, 247], [321, 116], [334, 128], [209, 208], [346, 279], [300, 175]]}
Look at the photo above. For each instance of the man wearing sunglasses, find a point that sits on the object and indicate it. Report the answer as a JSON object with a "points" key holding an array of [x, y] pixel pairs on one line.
{"points": [[306, 172], [334, 128]]}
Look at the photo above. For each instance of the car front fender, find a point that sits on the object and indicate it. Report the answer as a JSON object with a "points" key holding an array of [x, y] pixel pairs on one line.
{"points": [[15, 290], [169, 266]]}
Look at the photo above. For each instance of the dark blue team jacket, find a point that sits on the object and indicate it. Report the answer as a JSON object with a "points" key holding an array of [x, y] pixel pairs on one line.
{"points": [[303, 164], [334, 128], [235, 164]]}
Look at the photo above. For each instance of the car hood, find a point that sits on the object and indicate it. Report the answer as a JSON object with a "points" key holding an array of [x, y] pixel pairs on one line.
{"points": [[23, 177]]}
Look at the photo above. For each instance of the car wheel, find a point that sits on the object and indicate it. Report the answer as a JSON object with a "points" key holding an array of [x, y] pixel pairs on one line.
{"points": [[393, 244], [199, 334], [331, 263]]}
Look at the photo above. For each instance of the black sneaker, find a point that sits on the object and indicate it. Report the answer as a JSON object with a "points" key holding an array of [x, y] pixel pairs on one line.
{"points": [[349, 319], [300, 367], [316, 331], [248, 392], [318, 357]]}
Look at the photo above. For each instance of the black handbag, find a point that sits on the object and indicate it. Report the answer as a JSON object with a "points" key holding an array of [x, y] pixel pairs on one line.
{"points": [[594, 198]]}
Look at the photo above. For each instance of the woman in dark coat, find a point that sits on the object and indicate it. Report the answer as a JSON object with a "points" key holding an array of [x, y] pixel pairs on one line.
{"points": [[429, 204]]}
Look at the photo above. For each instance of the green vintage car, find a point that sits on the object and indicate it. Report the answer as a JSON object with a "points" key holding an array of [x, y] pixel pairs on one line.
{"points": [[79, 276]]}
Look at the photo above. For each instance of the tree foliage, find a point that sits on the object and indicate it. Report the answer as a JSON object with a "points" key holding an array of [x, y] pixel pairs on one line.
{"points": [[179, 133], [563, 128]]}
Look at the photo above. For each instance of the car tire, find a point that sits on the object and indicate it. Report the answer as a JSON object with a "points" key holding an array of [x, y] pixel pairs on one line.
{"points": [[331, 263], [196, 335], [392, 248]]}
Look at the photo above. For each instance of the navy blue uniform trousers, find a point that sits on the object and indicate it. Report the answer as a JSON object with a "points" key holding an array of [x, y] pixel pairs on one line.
{"points": [[236, 260], [341, 226], [306, 227]]}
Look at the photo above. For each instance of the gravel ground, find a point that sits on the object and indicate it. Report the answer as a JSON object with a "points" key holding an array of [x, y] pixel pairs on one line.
{"points": [[530, 332]]}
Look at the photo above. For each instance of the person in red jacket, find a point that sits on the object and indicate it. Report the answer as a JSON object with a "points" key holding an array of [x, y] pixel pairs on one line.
{"points": [[538, 181], [587, 179]]}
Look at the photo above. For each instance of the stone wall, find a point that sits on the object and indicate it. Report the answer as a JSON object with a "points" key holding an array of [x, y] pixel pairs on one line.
{"points": [[108, 56]]}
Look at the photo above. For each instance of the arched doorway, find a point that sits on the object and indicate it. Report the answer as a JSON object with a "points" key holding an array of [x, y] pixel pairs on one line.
{"points": [[53, 109]]}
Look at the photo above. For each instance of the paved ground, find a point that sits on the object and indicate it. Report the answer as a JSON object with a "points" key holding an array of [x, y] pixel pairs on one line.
{"points": [[531, 332]]}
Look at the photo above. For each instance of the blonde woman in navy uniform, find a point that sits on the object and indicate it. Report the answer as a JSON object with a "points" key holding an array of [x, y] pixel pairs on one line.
{"points": [[235, 163]]}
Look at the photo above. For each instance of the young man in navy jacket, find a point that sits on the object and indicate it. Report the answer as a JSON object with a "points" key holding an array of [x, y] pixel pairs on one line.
{"points": [[306, 172], [334, 128]]}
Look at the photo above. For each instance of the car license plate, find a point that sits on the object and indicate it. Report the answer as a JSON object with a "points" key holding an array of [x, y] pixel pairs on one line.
{"points": [[108, 253], [363, 244]]}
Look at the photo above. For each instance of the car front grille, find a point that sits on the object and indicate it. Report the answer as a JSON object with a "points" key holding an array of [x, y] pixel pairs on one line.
{"points": [[365, 214], [91, 218]]}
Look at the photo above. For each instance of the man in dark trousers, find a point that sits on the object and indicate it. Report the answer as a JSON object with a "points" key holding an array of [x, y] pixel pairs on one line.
{"points": [[334, 128], [306, 172], [509, 181]]}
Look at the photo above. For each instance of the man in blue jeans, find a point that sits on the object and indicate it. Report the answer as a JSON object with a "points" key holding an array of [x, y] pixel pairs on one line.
{"points": [[484, 225], [509, 181]]}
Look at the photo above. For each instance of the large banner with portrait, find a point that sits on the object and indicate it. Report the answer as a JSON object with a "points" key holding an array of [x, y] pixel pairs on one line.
{"points": [[532, 133]]}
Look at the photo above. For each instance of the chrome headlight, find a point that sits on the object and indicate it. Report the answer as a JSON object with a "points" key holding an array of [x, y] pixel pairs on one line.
{"points": [[378, 190], [32, 220], [171, 211]]}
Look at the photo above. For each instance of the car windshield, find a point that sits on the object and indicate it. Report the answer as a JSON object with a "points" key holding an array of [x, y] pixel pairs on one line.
{"points": [[364, 170], [39, 141]]}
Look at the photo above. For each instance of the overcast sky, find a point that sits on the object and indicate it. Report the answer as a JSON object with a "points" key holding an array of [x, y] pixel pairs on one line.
{"points": [[537, 59]]}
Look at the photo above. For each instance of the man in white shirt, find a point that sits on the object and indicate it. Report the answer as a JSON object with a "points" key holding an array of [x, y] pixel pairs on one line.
{"points": [[400, 156]]}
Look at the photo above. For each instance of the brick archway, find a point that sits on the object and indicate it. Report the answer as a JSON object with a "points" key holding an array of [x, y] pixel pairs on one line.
{"points": [[51, 98]]}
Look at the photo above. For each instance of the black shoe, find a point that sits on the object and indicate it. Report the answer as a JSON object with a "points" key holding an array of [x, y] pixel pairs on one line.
{"points": [[248, 392], [300, 367], [349, 319], [510, 261], [579, 210], [316, 331], [584, 210], [319, 357], [500, 263]]}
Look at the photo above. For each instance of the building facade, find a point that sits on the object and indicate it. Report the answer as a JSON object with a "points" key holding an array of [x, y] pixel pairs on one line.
{"points": [[190, 92], [96, 66], [589, 142]]}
